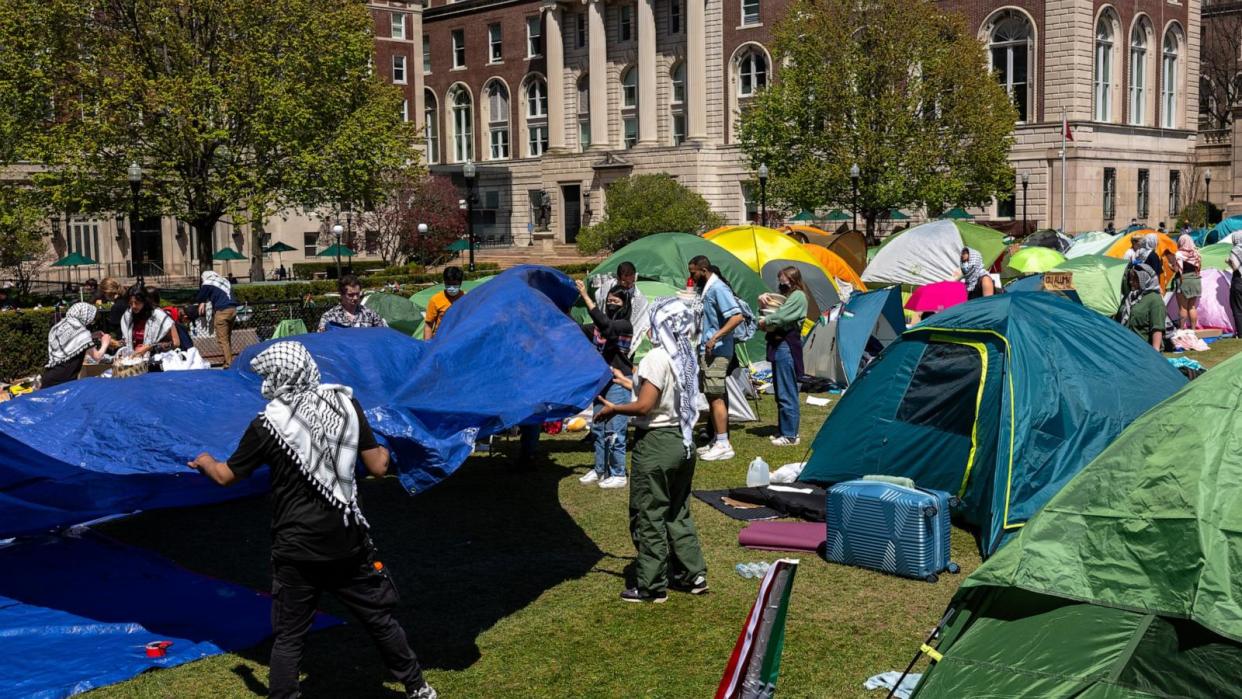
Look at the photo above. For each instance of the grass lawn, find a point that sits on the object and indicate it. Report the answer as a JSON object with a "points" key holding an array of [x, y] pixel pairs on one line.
{"points": [[510, 583]]}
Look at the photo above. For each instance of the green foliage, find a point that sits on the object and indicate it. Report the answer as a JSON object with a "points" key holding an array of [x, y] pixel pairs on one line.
{"points": [[23, 342], [896, 86], [640, 205], [1201, 214], [22, 228]]}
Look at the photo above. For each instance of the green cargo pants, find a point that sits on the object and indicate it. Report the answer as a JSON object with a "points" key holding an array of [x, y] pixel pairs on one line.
{"points": [[660, 523]]}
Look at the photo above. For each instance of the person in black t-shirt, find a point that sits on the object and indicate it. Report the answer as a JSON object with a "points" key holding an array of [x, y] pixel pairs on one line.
{"points": [[68, 343], [312, 435]]}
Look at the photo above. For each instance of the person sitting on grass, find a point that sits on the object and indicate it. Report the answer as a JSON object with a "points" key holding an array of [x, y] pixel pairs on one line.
{"points": [[312, 435], [662, 461], [350, 313]]}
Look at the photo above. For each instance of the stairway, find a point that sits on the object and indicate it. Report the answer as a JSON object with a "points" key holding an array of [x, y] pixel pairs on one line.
{"points": [[537, 254]]}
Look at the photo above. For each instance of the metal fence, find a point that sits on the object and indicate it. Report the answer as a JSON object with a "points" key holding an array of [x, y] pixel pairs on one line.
{"points": [[265, 316]]}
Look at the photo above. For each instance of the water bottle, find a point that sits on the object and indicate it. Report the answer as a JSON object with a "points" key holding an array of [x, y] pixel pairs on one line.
{"points": [[743, 569], [757, 474], [759, 569]]}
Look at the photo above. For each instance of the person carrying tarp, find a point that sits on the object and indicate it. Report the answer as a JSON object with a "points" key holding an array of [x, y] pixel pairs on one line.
{"points": [[1143, 308], [311, 435]]}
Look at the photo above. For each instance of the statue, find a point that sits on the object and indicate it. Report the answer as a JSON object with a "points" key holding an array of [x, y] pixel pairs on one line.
{"points": [[544, 217]]}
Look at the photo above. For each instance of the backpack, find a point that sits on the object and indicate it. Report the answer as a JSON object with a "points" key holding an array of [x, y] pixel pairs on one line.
{"points": [[747, 328]]}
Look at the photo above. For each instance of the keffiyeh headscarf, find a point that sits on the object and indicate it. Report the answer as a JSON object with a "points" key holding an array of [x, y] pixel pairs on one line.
{"points": [[158, 325], [672, 329], [972, 269], [1148, 282], [639, 304], [211, 278], [71, 335], [1235, 253], [315, 423], [1187, 252]]}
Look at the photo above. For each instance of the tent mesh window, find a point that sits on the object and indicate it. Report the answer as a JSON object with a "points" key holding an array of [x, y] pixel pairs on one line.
{"points": [[943, 390]]}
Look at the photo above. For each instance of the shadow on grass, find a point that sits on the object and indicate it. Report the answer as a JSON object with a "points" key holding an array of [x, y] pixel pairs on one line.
{"points": [[466, 554]]}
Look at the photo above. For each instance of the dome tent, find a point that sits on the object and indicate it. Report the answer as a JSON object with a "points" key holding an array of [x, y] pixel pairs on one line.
{"points": [[767, 251], [931, 252]]}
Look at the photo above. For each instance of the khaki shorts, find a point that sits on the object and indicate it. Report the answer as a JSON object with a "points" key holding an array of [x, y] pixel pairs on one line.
{"points": [[715, 371]]}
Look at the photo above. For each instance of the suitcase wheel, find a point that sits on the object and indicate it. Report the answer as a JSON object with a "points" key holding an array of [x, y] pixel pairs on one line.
{"points": [[930, 511], [954, 501], [932, 578], [954, 568]]}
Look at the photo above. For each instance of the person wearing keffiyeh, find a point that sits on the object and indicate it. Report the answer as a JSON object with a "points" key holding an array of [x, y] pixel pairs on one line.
{"points": [[1189, 283], [612, 332], [312, 435], [973, 274], [68, 344], [217, 305], [662, 465], [1143, 310]]}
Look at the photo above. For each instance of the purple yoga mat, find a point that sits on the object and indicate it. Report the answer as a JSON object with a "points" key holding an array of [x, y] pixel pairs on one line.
{"points": [[783, 536]]}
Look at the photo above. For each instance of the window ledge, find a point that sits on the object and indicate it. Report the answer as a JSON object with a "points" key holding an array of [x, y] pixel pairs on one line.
{"points": [[750, 26], [458, 68], [535, 57], [501, 62], [400, 82]]}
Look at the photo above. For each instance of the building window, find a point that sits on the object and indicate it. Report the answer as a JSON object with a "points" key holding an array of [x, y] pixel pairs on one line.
{"points": [[678, 75], [1006, 207], [1010, 52], [534, 37], [750, 12], [310, 243], [1144, 188], [1103, 68], [1110, 193], [459, 48], [625, 23], [1138, 73], [1175, 192], [536, 117], [495, 49], [426, 54], [630, 124], [752, 74], [398, 70], [398, 25], [1168, 82], [678, 78], [679, 128], [463, 125], [584, 113], [580, 36], [674, 16], [431, 132], [498, 120], [537, 144], [629, 106], [83, 238]]}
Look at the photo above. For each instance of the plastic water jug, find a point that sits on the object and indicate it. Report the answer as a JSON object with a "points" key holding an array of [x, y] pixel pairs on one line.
{"points": [[757, 474]]}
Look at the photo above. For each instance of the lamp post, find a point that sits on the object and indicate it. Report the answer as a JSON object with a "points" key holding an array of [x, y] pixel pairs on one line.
{"points": [[1026, 181], [854, 173], [763, 194], [135, 240], [468, 171], [337, 230], [1207, 213]]}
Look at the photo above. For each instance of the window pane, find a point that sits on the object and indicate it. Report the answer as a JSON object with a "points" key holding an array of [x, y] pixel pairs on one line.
{"points": [[750, 11], [398, 25], [631, 132], [426, 54], [1000, 64]]}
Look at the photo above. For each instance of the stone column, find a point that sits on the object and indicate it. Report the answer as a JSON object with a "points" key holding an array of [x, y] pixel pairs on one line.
{"points": [[647, 132], [696, 70], [554, 50], [598, 48], [418, 104], [1233, 187]]}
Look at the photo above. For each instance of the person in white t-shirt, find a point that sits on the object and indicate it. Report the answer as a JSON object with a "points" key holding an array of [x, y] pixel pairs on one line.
{"points": [[662, 460]]}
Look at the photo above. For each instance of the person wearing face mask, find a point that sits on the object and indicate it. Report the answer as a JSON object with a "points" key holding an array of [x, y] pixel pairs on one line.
{"points": [[440, 303], [613, 336], [977, 280], [784, 341], [350, 313]]}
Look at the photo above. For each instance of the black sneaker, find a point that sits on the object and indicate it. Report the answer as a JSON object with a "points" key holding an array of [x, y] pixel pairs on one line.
{"points": [[633, 595], [698, 586]]}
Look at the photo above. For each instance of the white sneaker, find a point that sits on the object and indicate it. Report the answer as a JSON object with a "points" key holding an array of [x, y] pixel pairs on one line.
{"points": [[590, 477], [785, 441], [614, 482], [718, 452], [703, 450]]}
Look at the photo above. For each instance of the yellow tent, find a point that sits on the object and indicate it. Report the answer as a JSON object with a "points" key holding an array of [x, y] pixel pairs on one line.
{"points": [[836, 266], [1164, 247], [768, 251]]}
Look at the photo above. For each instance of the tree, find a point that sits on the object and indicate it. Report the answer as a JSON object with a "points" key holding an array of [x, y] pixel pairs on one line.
{"points": [[232, 107], [392, 224], [898, 87], [23, 247], [1220, 65], [640, 205]]}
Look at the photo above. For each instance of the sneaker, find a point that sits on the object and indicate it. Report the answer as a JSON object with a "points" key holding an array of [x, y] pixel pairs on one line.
{"points": [[703, 450], [614, 482], [785, 441], [633, 595], [698, 586], [718, 452], [424, 692], [590, 477]]}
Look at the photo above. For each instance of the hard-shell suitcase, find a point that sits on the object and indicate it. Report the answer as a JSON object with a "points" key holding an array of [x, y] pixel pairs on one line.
{"points": [[890, 528]]}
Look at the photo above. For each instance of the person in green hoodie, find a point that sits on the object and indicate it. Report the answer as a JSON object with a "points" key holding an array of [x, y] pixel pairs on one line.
{"points": [[783, 328]]}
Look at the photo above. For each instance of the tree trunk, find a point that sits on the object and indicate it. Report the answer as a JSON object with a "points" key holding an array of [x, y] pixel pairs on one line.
{"points": [[869, 217], [204, 229], [256, 248]]}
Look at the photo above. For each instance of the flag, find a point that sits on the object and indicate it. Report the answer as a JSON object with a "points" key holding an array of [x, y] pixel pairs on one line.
{"points": [[1066, 132], [756, 659]]}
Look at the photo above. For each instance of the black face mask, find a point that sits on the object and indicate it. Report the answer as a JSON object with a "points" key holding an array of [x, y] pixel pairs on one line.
{"points": [[784, 288]]}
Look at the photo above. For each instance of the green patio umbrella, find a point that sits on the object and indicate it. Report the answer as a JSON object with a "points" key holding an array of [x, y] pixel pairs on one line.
{"points": [[803, 216], [228, 255], [279, 247], [458, 246], [837, 215], [335, 250], [897, 215], [957, 213], [74, 259]]}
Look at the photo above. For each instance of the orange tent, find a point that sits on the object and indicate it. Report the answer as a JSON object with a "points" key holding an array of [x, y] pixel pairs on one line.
{"points": [[1165, 247], [836, 266]]}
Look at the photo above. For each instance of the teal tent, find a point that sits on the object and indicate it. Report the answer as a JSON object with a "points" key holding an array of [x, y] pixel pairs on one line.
{"points": [[1126, 584], [1221, 231], [999, 400], [843, 343]]}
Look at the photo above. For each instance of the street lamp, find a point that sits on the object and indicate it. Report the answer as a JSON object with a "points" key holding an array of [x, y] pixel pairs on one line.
{"points": [[854, 173], [763, 194], [422, 229], [468, 171], [337, 230], [1207, 177], [135, 240], [1026, 181]]}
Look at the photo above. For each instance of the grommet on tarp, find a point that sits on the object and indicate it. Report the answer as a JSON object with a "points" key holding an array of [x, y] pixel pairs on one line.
{"points": [[158, 649]]}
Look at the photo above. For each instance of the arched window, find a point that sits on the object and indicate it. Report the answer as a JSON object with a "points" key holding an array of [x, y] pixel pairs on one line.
{"points": [[584, 113], [629, 106], [678, 77], [1104, 68], [752, 73], [1009, 47], [497, 120], [536, 117], [1168, 81], [463, 125], [431, 132], [1139, 91]]}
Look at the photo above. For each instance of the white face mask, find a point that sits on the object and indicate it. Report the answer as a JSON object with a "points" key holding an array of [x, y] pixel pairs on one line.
{"points": [[452, 290]]}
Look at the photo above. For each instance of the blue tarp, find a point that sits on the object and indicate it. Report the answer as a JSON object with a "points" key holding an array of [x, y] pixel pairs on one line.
{"points": [[857, 324], [505, 354], [77, 613]]}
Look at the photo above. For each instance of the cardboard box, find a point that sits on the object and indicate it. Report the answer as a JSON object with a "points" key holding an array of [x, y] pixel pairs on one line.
{"points": [[1058, 281]]}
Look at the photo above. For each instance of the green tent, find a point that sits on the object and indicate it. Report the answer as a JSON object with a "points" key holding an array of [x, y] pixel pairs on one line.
{"points": [[1216, 256], [1097, 279], [1126, 584], [398, 311], [999, 401], [931, 252], [664, 257]]}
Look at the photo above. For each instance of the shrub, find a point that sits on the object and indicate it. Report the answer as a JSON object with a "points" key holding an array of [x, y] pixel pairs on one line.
{"points": [[307, 270], [641, 205], [1201, 214], [23, 342]]}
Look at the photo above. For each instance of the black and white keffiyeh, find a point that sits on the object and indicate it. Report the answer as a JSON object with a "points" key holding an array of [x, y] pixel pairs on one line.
{"points": [[70, 336], [158, 325], [972, 268], [211, 278], [315, 423], [672, 329]]}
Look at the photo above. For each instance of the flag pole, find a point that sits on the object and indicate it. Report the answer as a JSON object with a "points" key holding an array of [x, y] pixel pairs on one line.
{"points": [[1064, 128]]}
